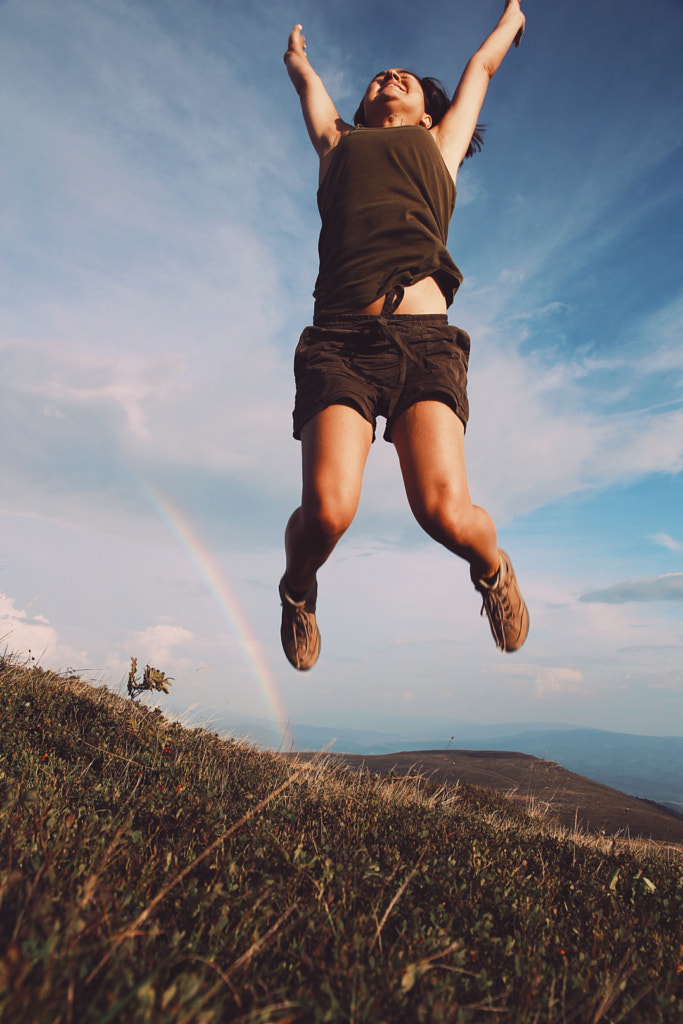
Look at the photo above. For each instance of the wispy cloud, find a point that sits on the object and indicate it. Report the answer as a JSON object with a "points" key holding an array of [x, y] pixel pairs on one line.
{"points": [[537, 434], [656, 588], [665, 541], [559, 680]]}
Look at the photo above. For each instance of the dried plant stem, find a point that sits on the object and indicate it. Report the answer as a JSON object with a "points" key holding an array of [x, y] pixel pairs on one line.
{"points": [[142, 917], [402, 888]]}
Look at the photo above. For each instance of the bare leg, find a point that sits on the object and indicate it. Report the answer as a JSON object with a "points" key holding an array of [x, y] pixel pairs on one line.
{"points": [[430, 442], [334, 448]]}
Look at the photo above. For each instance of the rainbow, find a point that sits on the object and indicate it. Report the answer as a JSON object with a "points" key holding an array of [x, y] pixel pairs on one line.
{"points": [[238, 624]]}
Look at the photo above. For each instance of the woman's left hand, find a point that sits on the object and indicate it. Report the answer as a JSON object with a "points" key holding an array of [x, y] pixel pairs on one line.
{"points": [[515, 3]]}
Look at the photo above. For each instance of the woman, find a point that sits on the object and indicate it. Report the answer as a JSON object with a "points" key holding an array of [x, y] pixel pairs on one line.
{"points": [[380, 341]]}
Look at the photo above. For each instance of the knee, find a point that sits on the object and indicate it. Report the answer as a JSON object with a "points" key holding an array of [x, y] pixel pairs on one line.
{"points": [[445, 515], [329, 516]]}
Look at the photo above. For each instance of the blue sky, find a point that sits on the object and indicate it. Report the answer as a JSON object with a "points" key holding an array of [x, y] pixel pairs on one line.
{"points": [[158, 254]]}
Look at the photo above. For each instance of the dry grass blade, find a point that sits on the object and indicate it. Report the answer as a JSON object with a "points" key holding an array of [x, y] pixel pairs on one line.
{"points": [[396, 897], [260, 943], [242, 961], [265, 1015], [145, 914], [614, 986], [420, 967], [196, 958]]}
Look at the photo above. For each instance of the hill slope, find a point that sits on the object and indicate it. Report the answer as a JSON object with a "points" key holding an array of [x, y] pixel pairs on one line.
{"points": [[151, 873], [647, 767], [544, 786], [650, 767]]}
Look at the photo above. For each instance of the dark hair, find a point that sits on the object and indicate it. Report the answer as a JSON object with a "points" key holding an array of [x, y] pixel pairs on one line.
{"points": [[437, 103]]}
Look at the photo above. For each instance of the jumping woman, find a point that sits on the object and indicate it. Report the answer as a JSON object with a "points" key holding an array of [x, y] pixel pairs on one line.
{"points": [[381, 343]]}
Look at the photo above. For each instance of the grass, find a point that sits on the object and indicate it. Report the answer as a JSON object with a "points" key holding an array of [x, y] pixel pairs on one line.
{"points": [[151, 872]]}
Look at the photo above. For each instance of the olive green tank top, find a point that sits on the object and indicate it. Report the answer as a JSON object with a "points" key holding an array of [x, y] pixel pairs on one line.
{"points": [[385, 205]]}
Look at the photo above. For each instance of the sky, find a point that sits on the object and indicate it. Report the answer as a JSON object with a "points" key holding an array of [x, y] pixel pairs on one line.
{"points": [[157, 258]]}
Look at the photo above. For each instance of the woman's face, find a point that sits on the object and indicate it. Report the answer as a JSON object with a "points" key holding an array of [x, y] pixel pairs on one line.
{"points": [[395, 95]]}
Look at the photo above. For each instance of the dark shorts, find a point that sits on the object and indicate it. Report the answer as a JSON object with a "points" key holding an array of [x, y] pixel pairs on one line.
{"points": [[380, 366]]}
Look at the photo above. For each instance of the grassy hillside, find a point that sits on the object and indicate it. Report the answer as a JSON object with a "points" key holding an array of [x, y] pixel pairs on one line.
{"points": [[155, 873], [561, 796]]}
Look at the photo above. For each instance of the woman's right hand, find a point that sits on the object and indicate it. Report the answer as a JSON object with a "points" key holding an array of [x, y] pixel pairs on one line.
{"points": [[325, 126], [296, 45]]}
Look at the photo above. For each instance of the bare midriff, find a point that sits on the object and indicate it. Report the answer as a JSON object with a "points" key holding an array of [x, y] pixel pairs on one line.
{"points": [[422, 297]]}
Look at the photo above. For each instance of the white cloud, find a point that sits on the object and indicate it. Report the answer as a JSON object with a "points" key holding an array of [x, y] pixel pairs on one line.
{"points": [[27, 635], [665, 326], [656, 588], [536, 434], [80, 421], [665, 541], [157, 644], [559, 680]]}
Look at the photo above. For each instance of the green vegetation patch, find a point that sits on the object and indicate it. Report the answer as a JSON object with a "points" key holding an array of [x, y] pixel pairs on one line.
{"points": [[152, 872]]}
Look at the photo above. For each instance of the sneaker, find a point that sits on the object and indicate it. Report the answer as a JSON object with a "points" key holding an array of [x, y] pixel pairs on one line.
{"points": [[299, 631], [504, 605]]}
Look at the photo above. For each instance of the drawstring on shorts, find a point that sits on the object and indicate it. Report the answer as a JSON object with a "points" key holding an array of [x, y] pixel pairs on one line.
{"points": [[362, 360], [392, 300]]}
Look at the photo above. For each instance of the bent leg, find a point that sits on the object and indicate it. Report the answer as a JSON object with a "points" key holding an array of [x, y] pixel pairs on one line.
{"points": [[334, 448], [430, 442]]}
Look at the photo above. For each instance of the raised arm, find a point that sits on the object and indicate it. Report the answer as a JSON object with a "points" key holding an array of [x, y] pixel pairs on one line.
{"points": [[325, 126], [454, 132]]}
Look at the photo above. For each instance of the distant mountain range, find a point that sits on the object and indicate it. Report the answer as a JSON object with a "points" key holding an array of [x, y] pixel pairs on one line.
{"points": [[648, 767]]}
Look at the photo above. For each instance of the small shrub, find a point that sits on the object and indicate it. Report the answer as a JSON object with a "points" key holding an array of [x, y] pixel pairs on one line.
{"points": [[152, 679]]}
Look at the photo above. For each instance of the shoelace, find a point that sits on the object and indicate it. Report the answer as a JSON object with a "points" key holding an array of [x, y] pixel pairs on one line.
{"points": [[303, 630], [496, 606], [302, 624]]}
